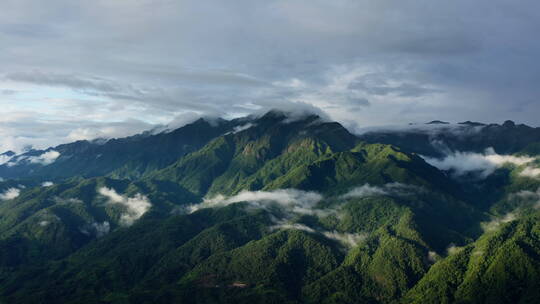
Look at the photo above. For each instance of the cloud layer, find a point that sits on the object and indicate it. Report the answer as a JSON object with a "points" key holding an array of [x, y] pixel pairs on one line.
{"points": [[77, 71], [292, 203], [462, 163], [291, 200], [393, 189], [136, 206], [10, 193]]}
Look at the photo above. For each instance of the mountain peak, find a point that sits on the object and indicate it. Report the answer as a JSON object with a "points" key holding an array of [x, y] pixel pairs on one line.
{"points": [[437, 122], [8, 153], [291, 115], [471, 123], [509, 124]]}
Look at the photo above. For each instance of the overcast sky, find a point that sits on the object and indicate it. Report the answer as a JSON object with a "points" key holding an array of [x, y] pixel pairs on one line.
{"points": [[106, 68]]}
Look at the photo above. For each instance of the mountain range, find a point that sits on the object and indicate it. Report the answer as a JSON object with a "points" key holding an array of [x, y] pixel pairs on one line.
{"points": [[276, 208]]}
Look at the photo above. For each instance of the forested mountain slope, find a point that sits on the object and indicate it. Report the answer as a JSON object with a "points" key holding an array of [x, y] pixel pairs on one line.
{"points": [[271, 209]]}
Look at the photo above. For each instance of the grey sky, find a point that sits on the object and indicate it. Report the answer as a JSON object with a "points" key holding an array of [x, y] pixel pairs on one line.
{"points": [[80, 69]]}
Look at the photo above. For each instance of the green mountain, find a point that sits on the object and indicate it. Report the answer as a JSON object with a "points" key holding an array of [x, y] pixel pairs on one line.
{"points": [[268, 209], [130, 157], [436, 139]]}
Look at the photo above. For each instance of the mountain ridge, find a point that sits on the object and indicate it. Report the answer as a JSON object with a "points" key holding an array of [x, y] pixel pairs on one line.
{"points": [[272, 208]]}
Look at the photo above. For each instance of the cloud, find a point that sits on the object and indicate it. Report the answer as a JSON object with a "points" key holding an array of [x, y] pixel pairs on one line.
{"points": [[71, 200], [73, 81], [46, 158], [10, 194], [495, 223], [365, 190], [349, 240], [453, 249], [530, 196], [136, 206], [530, 172], [292, 226], [391, 189], [4, 159], [432, 256], [462, 163], [298, 202], [101, 229], [97, 229], [47, 184], [526, 197], [291, 200], [179, 121], [108, 130], [242, 128], [361, 62]]}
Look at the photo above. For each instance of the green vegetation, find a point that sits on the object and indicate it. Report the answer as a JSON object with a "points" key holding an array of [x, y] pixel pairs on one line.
{"points": [[383, 226]]}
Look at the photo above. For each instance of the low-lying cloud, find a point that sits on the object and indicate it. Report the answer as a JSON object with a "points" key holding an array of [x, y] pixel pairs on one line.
{"points": [[453, 249], [136, 206], [241, 128], [97, 229], [10, 194], [292, 200], [391, 189], [533, 196], [530, 172], [496, 223], [46, 158], [68, 201], [4, 159], [346, 239], [463, 163]]}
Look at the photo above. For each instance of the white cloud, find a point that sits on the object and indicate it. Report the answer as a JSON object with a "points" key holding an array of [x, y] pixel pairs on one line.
{"points": [[292, 226], [97, 229], [453, 249], [364, 191], [10, 193], [346, 239], [135, 206], [292, 200], [4, 159], [242, 128], [530, 172], [396, 189], [46, 158], [495, 223], [108, 130], [530, 196], [432, 256], [60, 200], [486, 163], [101, 229], [203, 65], [47, 184]]}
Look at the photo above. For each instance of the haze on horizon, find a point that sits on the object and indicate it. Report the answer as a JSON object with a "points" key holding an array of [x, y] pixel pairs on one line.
{"points": [[81, 70]]}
